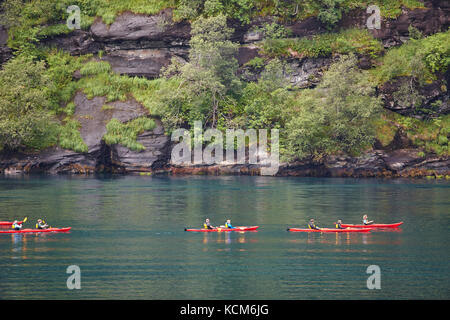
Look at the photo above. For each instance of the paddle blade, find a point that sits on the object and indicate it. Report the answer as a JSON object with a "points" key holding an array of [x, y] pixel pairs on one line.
{"points": [[25, 220]]}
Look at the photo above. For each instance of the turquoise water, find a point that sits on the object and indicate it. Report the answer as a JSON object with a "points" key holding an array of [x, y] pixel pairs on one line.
{"points": [[129, 241]]}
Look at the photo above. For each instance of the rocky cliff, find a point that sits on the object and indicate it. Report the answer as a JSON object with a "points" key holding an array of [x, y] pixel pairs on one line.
{"points": [[140, 45]]}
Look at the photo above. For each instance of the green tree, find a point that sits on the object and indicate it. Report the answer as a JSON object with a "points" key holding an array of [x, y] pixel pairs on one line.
{"points": [[330, 12], [265, 100], [205, 88], [24, 99], [334, 117]]}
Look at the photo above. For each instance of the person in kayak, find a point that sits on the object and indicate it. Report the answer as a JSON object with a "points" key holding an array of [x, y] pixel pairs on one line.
{"points": [[41, 224], [16, 225], [207, 225], [339, 224], [366, 220], [228, 224], [312, 225]]}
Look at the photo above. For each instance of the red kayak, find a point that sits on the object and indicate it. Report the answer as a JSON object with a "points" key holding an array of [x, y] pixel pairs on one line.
{"points": [[37, 230], [372, 226], [329, 230], [224, 229], [7, 223]]}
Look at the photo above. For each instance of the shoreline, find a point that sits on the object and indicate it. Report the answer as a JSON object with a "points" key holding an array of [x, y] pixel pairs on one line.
{"points": [[399, 163], [241, 170]]}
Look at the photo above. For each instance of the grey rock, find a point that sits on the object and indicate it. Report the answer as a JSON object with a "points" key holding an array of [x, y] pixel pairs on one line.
{"points": [[155, 155], [143, 62], [434, 18], [306, 73], [430, 94], [5, 51], [399, 159], [76, 43], [252, 36], [130, 26]]}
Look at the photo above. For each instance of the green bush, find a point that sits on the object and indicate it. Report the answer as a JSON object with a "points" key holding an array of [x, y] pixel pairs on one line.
{"points": [[431, 135], [60, 69], [417, 58], [95, 67], [274, 31], [126, 133], [205, 88], [436, 51], [256, 63], [24, 102], [337, 116], [324, 45], [265, 101], [70, 137], [330, 12]]}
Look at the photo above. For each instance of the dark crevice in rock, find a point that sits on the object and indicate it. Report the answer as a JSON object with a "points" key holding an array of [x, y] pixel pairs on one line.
{"points": [[104, 162]]}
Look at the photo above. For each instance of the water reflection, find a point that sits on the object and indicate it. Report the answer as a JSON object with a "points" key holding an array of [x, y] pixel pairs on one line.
{"points": [[227, 238], [24, 244], [345, 239], [129, 236]]}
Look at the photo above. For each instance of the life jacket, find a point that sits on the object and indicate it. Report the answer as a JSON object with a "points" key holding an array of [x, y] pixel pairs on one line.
{"points": [[227, 225], [40, 225], [205, 226]]}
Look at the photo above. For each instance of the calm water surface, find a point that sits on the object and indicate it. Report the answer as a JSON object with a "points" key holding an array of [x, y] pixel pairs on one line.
{"points": [[128, 238]]}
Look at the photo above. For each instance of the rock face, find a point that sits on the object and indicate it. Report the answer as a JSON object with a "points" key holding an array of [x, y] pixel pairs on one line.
{"points": [[140, 45], [376, 163], [435, 17], [307, 72], [132, 27], [307, 27], [155, 156], [77, 42], [136, 45], [5, 51], [142, 62], [434, 97], [100, 156]]}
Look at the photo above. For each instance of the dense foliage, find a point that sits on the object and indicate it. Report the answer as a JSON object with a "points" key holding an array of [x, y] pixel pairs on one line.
{"points": [[24, 102], [334, 117], [340, 115], [206, 87], [324, 45], [126, 134]]}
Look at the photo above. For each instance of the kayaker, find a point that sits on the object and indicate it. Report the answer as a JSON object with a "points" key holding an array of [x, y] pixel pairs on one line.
{"points": [[207, 225], [339, 224], [312, 225], [16, 225], [41, 224], [228, 224], [366, 220]]}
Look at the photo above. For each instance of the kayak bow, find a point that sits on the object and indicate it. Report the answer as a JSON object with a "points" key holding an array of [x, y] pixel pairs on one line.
{"points": [[242, 228], [7, 223], [37, 230], [372, 226], [329, 230]]}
